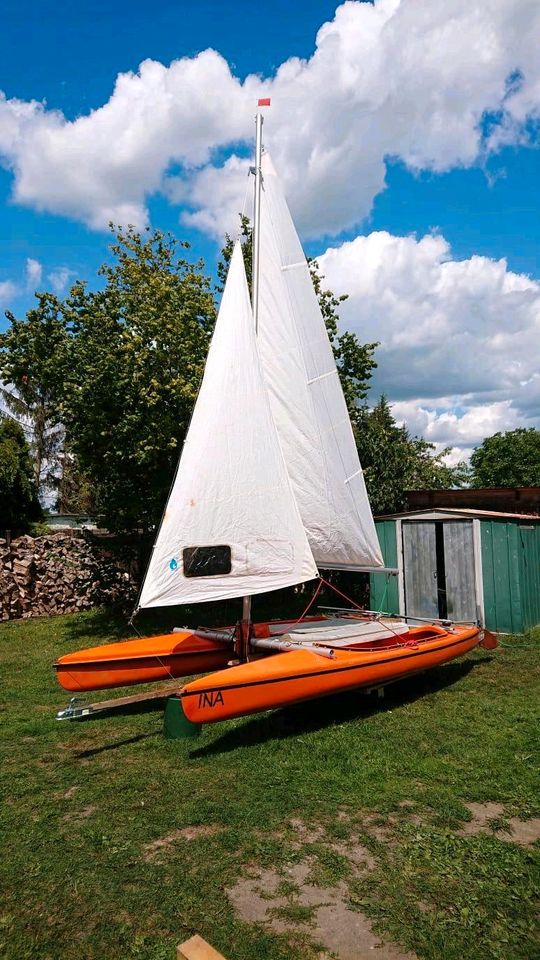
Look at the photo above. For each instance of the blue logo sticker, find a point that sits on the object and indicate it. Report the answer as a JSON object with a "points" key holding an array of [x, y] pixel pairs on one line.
{"points": [[173, 564]]}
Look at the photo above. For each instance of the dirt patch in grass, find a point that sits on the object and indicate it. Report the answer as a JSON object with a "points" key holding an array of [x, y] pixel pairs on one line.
{"points": [[153, 849], [481, 814], [524, 832], [486, 818], [353, 851], [291, 900], [69, 793], [77, 816], [325, 914]]}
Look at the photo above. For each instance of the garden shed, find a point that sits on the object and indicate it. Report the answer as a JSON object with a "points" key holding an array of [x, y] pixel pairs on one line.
{"points": [[461, 564]]}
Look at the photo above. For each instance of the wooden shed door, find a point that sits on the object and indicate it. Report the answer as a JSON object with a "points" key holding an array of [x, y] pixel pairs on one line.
{"points": [[459, 570], [420, 568], [438, 561]]}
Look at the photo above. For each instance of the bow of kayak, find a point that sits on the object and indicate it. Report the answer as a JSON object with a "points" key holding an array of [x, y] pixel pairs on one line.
{"points": [[142, 660]]}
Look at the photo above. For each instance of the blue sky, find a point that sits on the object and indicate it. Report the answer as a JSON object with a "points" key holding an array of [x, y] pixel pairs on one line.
{"points": [[427, 139], [71, 57]]}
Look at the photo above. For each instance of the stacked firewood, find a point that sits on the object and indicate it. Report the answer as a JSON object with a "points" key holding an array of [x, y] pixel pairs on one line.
{"points": [[60, 573]]}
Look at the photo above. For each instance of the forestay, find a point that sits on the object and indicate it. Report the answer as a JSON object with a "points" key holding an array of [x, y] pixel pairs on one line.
{"points": [[232, 526], [307, 401]]}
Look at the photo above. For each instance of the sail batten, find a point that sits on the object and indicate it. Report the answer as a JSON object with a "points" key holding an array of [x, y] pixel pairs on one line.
{"points": [[307, 401], [231, 526]]}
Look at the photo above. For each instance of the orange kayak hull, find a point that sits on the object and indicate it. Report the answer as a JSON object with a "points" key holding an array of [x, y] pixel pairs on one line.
{"points": [[148, 659], [292, 677], [140, 661]]}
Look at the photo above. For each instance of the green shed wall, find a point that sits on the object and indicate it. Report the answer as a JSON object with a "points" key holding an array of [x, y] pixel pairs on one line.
{"points": [[511, 574], [383, 588], [529, 570]]}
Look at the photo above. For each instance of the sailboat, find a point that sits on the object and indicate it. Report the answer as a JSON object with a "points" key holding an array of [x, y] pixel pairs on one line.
{"points": [[269, 491]]}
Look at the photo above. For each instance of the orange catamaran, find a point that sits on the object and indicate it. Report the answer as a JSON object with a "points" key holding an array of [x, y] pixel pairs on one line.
{"points": [[269, 490]]}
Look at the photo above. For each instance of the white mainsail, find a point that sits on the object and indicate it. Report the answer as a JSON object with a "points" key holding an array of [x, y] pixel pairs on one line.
{"points": [[232, 525], [307, 401]]}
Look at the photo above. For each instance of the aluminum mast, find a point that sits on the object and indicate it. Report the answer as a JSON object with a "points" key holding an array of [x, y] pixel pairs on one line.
{"points": [[255, 246]]}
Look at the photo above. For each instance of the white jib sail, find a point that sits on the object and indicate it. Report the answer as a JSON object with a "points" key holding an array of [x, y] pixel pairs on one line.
{"points": [[232, 526], [307, 401]]}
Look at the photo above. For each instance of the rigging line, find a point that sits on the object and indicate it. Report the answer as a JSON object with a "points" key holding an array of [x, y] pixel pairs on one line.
{"points": [[383, 598], [377, 619], [387, 624], [131, 622], [311, 602], [341, 594], [165, 667]]}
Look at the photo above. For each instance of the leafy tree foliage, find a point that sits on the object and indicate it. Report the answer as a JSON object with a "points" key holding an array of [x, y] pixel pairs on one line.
{"points": [[393, 461], [119, 369], [509, 459], [134, 365], [355, 361], [32, 356], [75, 492], [19, 505]]}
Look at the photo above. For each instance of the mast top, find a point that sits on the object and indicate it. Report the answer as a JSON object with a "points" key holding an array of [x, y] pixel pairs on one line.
{"points": [[263, 102]]}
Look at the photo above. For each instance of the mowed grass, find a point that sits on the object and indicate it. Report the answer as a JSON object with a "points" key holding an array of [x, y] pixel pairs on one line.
{"points": [[83, 802]]}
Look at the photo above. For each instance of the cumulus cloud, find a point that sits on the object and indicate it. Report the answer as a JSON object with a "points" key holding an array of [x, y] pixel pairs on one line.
{"points": [[34, 273], [8, 291], [461, 429], [463, 336], [59, 278], [398, 78]]}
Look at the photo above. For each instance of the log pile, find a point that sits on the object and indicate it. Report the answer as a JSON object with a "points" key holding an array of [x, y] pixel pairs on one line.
{"points": [[61, 572]]}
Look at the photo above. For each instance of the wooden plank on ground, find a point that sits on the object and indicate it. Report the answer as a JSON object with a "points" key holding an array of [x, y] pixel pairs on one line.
{"points": [[197, 949], [160, 693]]}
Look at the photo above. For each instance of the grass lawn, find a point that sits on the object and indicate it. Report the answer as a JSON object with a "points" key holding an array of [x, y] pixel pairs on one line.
{"points": [[84, 804]]}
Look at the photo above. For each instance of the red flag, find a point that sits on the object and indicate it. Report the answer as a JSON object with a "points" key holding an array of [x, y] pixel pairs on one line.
{"points": [[265, 102]]}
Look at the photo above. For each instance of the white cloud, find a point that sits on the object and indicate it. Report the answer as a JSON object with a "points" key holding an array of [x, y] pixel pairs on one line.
{"points": [[8, 291], [59, 278], [459, 340], [34, 273], [398, 78], [103, 165], [461, 430]]}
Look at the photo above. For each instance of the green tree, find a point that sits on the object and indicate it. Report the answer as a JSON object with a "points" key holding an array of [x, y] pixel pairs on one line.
{"points": [[32, 358], [509, 459], [75, 492], [393, 461], [19, 505], [354, 360], [135, 360]]}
